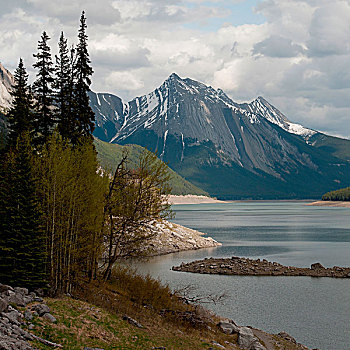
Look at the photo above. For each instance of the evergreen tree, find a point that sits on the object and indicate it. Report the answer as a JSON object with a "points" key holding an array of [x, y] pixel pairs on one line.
{"points": [[42, 88], [20, 116], [22, 245], [83, 113], [64, 85]]}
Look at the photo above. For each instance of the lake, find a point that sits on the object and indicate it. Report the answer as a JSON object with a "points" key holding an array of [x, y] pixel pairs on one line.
{"points": [[316, 311]]}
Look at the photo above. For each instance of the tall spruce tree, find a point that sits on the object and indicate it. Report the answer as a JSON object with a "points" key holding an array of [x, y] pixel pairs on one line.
{"points": [[42, 88], [64, 90], [22, 244], [20, 116], [83, 113]]}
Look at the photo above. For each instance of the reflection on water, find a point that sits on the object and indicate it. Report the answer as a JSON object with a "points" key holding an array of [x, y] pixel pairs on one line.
{"points": [[314, 310]]}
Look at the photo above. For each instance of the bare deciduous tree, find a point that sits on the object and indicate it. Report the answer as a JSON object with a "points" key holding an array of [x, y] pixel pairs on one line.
{"points": [[137, 198]]}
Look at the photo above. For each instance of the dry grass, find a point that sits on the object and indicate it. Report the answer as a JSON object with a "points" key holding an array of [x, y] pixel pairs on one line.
{"points": [[94, 318]]}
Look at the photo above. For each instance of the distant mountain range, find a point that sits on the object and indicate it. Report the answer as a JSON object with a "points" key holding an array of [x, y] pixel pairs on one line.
{"points": [[228, 149], [231, 150]]}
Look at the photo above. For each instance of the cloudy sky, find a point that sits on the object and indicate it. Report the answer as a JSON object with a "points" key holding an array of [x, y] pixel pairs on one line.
{"points": [[295, 53]]}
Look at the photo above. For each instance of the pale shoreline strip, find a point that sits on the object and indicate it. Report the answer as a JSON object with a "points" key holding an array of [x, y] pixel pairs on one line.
{"points": [[337, 204], [192, 199]]}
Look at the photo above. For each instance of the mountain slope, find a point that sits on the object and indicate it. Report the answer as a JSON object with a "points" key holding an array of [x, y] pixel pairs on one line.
{"points": [[109, 155], [232, 150], [6, 82]]}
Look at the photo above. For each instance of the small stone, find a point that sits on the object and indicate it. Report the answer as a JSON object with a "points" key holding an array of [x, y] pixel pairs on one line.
{"points": [[257, 346], [217, 344], [31, 326], [3, 305], [246, 337], [48, 317], [41, 309], [23, 291], [28, 315], [39, 292], [17, 299], [5, 288], [132, 321], [317, 266], [228, 327], [288, 337], [13, 316]]}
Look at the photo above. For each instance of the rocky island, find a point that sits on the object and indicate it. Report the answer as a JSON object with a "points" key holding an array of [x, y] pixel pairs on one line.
{"points": [[250, 267]]}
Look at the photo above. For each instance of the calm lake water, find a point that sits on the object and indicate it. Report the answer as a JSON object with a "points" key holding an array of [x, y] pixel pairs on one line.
{"points": [[316, 311]]}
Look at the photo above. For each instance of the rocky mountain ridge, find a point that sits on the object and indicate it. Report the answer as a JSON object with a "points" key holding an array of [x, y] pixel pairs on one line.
{"points": [[6, 82], [207, 137]]}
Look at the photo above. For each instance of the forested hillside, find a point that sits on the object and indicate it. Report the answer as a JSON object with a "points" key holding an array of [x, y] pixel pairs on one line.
{"points": [[109, 155], [339, 195]]}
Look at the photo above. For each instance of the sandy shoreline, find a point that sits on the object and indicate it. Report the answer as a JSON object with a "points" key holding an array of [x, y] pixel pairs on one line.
{"points": [[330, 204], [192, 199]]}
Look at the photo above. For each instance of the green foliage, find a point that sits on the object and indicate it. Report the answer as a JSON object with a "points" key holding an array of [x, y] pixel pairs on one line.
{"points": [[136, 201], [337, 146], [22, 253], [339, 195], [110, 155], [72, 198]]}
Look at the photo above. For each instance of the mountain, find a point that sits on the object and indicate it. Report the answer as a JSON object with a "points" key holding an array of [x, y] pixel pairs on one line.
{"points": [[6, 82], [231, 150]]}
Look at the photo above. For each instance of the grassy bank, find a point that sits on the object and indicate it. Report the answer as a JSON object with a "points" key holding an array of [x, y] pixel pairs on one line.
{"points": [[94, 318]]}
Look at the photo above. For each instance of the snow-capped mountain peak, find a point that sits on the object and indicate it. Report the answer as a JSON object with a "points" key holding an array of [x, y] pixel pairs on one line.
{"points": [[262, 107]]}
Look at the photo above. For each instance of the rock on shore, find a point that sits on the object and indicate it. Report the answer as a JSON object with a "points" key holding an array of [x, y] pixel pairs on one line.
{"points": [[12, 336], [250, 267], [171, 238]]}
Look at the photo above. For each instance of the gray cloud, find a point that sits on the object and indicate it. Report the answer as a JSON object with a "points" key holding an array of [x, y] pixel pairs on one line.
{"points": [[116, 60], [277, 46], [329, 30]]}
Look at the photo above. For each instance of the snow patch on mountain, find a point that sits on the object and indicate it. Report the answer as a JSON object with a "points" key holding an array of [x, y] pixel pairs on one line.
{"points": [[261, 107]]}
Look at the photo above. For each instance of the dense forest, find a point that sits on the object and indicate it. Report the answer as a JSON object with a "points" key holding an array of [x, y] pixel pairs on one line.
{"points": [[63, 219], [339, 195]]}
